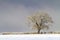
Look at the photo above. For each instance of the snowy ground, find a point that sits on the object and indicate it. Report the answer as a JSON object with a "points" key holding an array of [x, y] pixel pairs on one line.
{"points": [[30, 37]]}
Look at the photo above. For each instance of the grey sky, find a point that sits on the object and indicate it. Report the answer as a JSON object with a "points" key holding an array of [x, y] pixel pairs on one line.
{"points": [[13, 13]]}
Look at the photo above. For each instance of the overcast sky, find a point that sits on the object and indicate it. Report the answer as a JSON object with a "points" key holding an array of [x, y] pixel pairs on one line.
{"points": [[13, 14]]}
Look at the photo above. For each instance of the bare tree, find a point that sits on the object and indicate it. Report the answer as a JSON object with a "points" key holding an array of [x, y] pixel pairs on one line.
{"points": [[40, 21]]}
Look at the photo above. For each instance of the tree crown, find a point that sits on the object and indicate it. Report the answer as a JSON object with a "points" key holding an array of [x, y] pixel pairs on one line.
{"points": [[40, 20]]}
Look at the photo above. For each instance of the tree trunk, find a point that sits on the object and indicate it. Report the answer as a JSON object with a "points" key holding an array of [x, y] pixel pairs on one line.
{"points": [[39, 27], [38, 31]]}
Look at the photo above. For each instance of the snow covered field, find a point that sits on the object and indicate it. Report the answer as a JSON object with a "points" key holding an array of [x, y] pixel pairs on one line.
{"points": [[31, 37]]}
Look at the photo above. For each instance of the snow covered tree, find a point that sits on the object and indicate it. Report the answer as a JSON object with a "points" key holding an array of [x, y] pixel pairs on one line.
{"points": [[40, 20]]}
